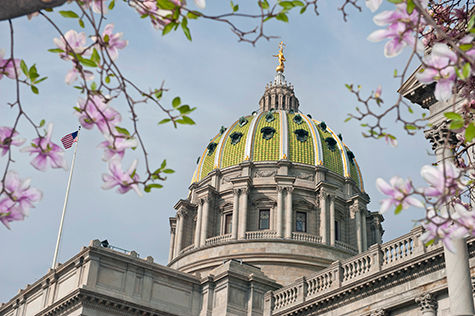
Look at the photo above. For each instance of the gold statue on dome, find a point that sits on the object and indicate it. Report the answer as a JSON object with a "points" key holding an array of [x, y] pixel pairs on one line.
{"points": [[281, 57]]}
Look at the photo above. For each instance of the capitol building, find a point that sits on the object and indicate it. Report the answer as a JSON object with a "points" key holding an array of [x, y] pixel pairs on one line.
{"points": [[275, 223]]}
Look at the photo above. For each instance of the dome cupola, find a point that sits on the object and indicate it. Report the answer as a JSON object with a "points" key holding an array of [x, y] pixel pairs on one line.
{"points": [[277, 188]]}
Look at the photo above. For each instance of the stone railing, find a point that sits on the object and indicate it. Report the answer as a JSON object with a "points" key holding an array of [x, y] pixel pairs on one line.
{"points": [[217, 239], [261, 234], [341, 244], [378, 257], [306, 237]]}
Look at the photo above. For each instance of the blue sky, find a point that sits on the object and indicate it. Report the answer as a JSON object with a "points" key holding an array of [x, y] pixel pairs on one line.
{"points": [[225, 80]]}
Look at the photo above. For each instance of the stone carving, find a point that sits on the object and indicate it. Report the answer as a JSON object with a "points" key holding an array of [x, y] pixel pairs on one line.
{"points": [[264, 173], [304, 175], [427, 303], [225, 180], [378, 312]]}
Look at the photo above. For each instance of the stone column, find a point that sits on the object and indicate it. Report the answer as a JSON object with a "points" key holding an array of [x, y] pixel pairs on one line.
{"points": [[204, 221], [364, 238], [179, 232], [242, 226], [359, 234], [332, 221], [280, 210], [456, 264], [288, 213], [427, 304], [199, 215], [323, 217], [172, 243], [234, 230]]}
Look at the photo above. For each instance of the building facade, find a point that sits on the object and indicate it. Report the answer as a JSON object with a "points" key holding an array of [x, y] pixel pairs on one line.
{"points": [[275, 223]]}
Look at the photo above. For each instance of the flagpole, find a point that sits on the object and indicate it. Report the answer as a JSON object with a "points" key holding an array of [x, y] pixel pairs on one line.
{"points": [[65, 203]]}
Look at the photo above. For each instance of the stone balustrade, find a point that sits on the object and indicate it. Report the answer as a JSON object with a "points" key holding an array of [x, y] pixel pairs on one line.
{"points": [[307, 237], [379, 258], [217, 239], [261, 234]]}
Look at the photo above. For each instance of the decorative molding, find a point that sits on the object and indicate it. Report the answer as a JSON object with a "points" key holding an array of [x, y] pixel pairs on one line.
{"points": [[427, 302], [440, 136], [264, 173], [379, 312], [305, 175]]}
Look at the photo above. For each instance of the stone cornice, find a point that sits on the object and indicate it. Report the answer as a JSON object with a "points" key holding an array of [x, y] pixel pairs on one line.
{"points": [[205, 190], [185, 204], [242, 182]]}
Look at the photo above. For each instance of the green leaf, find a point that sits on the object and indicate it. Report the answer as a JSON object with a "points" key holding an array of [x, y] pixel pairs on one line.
{"points": [[112, 5], [81, 23], [107, 79], [348, 118], [456, 124], [410, 109], [282, 17], [470, 132], [40, 80], [33, 73], [410, 127], [236, 8], [69, 14], [42, 123], [430, 242], [471, 23], [185, 109], [466, 70], [166, 4], [106, 38], [395, 73], [148, 187], [93, 86], [163, 165], [349, 86], [410, 6], [287, 5], [398, 209], [159, 93], [55, 50], [298, 3], [186, 30], [186, 120], [23, 67], [34, 89], [168, 171], [122, 130], [453, 116], [302, 11], [167, 28], [176, 102], [466, 47], [396, 1], [193, 15], [166, 120], [264, 4], [87, 62], [95, 56]]}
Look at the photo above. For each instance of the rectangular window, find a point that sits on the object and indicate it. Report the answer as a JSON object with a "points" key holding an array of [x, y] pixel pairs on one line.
{"points": [[264, 219], [337, 230], [301, 222], [228, 223]]}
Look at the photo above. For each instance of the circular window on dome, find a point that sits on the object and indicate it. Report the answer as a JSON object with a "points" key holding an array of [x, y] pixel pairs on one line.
{"points": [[269, 117], [235, 137], [242, 121], [222, 130], [298, 119], [302, 135], [211, 147], [323, 126], [267, 132], [331, 143]]}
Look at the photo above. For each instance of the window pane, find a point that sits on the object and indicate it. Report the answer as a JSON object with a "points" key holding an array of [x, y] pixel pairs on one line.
{"points": [[228, 223], [301, 222], [264, 216]]}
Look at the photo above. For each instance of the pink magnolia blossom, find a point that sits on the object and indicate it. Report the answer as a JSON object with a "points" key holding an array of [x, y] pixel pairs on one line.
{"points": [[373, 5], [114, 42], [95, 111], [399, 30], [115, 148], [7, 67], [443, 180], [74, 74], [46, 152], [440, 227], [390, 140], [7, 139], [157, 16], [399, 191], [124, 180], [98, 6], [75, 43], [439, 67], [19, 198]]}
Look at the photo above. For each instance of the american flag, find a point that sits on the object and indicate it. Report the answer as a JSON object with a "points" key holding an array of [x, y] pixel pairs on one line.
{"points": [[69, 139]]}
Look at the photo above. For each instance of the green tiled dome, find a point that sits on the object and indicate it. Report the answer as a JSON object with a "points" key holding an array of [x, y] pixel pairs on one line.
{"points": [[279, 135]]}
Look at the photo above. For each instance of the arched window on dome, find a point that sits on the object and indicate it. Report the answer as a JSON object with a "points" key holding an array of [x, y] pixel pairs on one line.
{"points": [[264, 219], [301, 222]]}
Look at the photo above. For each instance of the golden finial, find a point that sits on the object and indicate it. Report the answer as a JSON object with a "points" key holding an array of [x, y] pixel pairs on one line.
{"points": [[281, 57]]}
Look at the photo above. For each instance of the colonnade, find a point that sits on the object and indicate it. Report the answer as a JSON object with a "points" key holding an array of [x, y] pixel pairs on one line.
{"points": [[282, 223]]}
